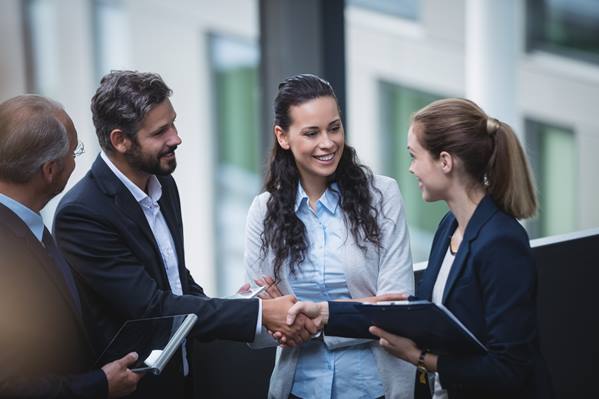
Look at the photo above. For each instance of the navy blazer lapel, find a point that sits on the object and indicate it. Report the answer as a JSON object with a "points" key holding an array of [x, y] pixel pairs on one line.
{"points": [[126, 204], [22, 232], [124, 200], [483, 212], [438, 250]]}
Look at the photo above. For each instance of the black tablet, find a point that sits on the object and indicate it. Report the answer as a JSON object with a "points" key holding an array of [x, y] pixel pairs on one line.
{"points": [[154, 339]]}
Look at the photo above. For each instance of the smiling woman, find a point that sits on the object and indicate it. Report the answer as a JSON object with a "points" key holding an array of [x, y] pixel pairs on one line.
{"points": [[316, 140], [327, 229]]}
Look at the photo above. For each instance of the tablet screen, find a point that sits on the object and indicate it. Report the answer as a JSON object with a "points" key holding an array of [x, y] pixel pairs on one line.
{"points": [[143, 336]]}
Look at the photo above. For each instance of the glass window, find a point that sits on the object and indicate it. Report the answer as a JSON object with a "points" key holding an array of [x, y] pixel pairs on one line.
{"points": [[42, 30], [111, 36], [409, 9], [569, 27], [553, 155], [239, 156], [398, 105]]}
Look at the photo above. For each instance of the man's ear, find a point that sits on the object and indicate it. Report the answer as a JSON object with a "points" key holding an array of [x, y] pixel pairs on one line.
{"points": [[281, 137], [120, 142], [50, 170], [447, 162]]}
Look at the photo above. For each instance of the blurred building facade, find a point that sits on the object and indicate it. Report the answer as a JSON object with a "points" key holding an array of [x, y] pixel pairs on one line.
{"points": [[533, 64]]}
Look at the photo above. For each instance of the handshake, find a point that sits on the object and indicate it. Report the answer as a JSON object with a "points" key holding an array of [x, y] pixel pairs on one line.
{"points": [[292, 323]]}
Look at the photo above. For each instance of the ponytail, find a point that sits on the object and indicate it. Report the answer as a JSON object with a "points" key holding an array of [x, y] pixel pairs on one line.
{"points": [[509, 179]]}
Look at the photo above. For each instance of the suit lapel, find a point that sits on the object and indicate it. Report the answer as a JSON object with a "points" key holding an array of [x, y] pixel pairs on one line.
{"points": [[22, 232], [126, 204], [485, 209], [123, 199], [435, 261]]}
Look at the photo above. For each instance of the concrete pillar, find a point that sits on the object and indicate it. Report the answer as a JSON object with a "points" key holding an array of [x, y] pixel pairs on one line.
{"points": [[494, 40], [305, 36]]}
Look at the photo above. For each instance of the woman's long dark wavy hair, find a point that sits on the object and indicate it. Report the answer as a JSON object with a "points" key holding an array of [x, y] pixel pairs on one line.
{"points": [[284, 233]]}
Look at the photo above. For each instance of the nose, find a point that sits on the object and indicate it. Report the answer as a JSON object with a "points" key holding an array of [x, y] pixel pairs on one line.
{"points": [[411, 168], [326, 141], [174, 138]]}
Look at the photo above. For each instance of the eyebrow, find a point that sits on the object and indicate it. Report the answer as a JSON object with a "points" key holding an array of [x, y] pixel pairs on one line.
{"points": [[338, 120]]}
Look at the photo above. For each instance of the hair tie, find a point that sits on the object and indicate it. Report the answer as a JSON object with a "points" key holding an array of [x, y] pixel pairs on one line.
{"points": [[492, 126]]}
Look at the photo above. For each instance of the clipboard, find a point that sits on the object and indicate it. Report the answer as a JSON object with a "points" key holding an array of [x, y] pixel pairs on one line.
{"points": [[154, 339], [430, 325]]}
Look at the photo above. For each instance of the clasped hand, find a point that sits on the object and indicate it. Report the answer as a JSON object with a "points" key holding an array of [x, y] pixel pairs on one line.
{"points": [[316, 315]]}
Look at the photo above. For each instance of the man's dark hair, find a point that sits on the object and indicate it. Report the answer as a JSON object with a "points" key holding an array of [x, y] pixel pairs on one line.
{"points": [[122, 102]]}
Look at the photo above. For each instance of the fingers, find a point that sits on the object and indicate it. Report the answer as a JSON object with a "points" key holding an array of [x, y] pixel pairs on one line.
{"points": [[244, 288], [311, 326], [273, 289], [128, 359], [379, 332], [387, 339], [121, 380], [392, 297], [264, 294]]}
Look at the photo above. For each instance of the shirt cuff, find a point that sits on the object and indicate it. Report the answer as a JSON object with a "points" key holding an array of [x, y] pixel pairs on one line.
{"points": [[259, 320]]}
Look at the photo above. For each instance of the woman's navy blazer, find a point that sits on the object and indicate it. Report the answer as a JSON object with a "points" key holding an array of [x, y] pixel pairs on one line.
{"points": [[491, 288]]}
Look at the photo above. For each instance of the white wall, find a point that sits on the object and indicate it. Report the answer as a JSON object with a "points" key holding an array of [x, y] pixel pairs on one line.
{"points": [[169, 38], [430, 55]]}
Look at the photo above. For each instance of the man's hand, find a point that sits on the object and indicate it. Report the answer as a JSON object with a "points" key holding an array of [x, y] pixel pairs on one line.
{"points": [[121, 380], [274, 317]]}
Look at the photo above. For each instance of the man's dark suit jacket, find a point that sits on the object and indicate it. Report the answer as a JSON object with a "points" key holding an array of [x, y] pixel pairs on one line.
{"points": [[492, 289], [44, 349], [105, 235]]}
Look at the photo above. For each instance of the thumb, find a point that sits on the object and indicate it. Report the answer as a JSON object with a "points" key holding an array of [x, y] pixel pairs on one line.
{"points": [[129, 359], [292, 313]]}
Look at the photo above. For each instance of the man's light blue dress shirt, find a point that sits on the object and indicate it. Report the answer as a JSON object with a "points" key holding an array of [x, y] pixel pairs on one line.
{"points": [[349, 372], [32, 219]]}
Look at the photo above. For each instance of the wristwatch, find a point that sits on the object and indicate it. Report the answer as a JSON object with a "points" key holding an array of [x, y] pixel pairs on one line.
{"points": [[422, 371]]}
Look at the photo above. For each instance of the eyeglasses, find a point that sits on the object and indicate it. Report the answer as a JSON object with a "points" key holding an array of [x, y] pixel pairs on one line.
{"points": [[79, 150]]}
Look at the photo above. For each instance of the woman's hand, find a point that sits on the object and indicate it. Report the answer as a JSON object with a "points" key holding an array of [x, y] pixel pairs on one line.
{"points": [[379, 298], [403, 348], [272, 290]]}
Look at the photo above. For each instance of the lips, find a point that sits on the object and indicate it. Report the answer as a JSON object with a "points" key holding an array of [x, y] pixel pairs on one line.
{"points": [[170, 153]]}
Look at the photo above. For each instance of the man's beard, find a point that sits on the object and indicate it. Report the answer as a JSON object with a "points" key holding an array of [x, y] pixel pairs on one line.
{"points": [[150, 163]]}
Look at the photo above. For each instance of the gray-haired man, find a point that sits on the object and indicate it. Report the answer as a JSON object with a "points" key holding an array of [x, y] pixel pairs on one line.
{"points": [[44, 348]]}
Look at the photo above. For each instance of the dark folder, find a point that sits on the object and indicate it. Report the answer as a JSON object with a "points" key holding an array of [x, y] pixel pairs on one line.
{"points": [[155, 340], [431, 326]]}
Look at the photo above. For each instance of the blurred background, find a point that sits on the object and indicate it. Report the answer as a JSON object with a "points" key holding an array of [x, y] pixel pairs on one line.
{"points": [[531, 63]]}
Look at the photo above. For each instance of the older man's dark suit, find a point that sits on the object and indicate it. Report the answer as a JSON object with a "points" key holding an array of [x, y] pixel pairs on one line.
{"points": [[106, 237], [44, 349]]}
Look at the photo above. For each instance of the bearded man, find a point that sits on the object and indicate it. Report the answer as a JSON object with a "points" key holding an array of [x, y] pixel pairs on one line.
{"points": [[122, 230]]}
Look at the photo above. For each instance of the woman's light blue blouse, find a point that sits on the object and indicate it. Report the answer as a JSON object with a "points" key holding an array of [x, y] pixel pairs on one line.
{"points": [[349, 372]]}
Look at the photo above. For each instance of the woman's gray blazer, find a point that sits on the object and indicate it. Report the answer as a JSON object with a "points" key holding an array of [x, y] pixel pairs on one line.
{"points": [[376, 271]]}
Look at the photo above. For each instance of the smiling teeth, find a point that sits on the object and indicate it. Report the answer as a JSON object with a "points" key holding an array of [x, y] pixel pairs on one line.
{"points": [[325, 157]]}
